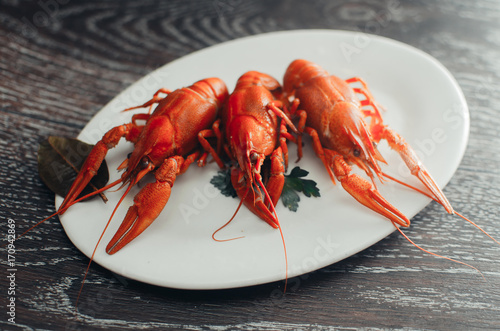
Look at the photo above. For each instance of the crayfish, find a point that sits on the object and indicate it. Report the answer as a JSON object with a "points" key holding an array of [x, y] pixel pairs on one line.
{"points": [[252, 132], [330, 111], [166, 144]]}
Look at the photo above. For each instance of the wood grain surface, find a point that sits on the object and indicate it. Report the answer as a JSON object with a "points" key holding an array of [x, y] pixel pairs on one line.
{"points": [[61, 61]]}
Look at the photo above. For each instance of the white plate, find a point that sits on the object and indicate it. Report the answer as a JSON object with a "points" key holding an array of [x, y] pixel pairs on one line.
{"points": [[424, 104]]}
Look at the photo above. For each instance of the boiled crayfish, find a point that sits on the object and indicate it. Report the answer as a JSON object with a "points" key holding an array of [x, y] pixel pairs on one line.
{"points": [[330, 111], [167, 143], [253, 131]]}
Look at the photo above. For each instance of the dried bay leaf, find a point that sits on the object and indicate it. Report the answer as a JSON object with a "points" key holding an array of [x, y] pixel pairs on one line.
{"points": [[59, 161]]}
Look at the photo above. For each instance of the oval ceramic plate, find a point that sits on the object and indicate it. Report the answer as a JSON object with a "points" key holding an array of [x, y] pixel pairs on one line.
{"points": [[423, 103]]}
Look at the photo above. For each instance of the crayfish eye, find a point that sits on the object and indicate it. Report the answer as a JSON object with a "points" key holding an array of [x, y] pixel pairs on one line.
{"points": [[254, 157], [128, 156], [356, 152], [144, 162]]}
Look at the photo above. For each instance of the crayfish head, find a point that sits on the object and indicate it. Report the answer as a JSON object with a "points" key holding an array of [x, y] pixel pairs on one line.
{"points": [[352, 137], [154, 143], [245, 154], [249, 144]]}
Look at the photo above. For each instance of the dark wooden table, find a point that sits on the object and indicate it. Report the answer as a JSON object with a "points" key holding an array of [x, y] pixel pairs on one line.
{"points": [[62, 61]]}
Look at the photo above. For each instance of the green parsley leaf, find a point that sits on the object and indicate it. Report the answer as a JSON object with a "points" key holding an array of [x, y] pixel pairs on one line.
{"points": [[290, 198], [222, 181], [294, 182], [297, 172]]}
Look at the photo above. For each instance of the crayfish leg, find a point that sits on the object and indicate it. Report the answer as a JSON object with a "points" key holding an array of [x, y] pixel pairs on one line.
{"points": [[94, 161], [276, 180], [156, 99], [211, 133]]}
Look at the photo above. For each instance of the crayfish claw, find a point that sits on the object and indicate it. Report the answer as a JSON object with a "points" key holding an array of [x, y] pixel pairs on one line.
{"points": [[364, 192], [148, 204], [417, 168], [126, 232], [429, 182]]}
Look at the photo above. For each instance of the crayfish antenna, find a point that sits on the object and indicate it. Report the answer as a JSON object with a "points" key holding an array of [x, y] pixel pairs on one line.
{"points": [[107, 187], [230, 220], [435, 199], [454, 212], [61, 211], [477, 226], [437, 255], [100, 238], [279, 227], [259, 182]]}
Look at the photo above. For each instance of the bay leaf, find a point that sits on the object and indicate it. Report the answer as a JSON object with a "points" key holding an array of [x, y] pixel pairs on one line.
{"points": [[59, 162]]}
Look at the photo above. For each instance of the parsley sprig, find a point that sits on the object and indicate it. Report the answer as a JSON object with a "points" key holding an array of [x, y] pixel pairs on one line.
{"points": [[294, 182]]}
